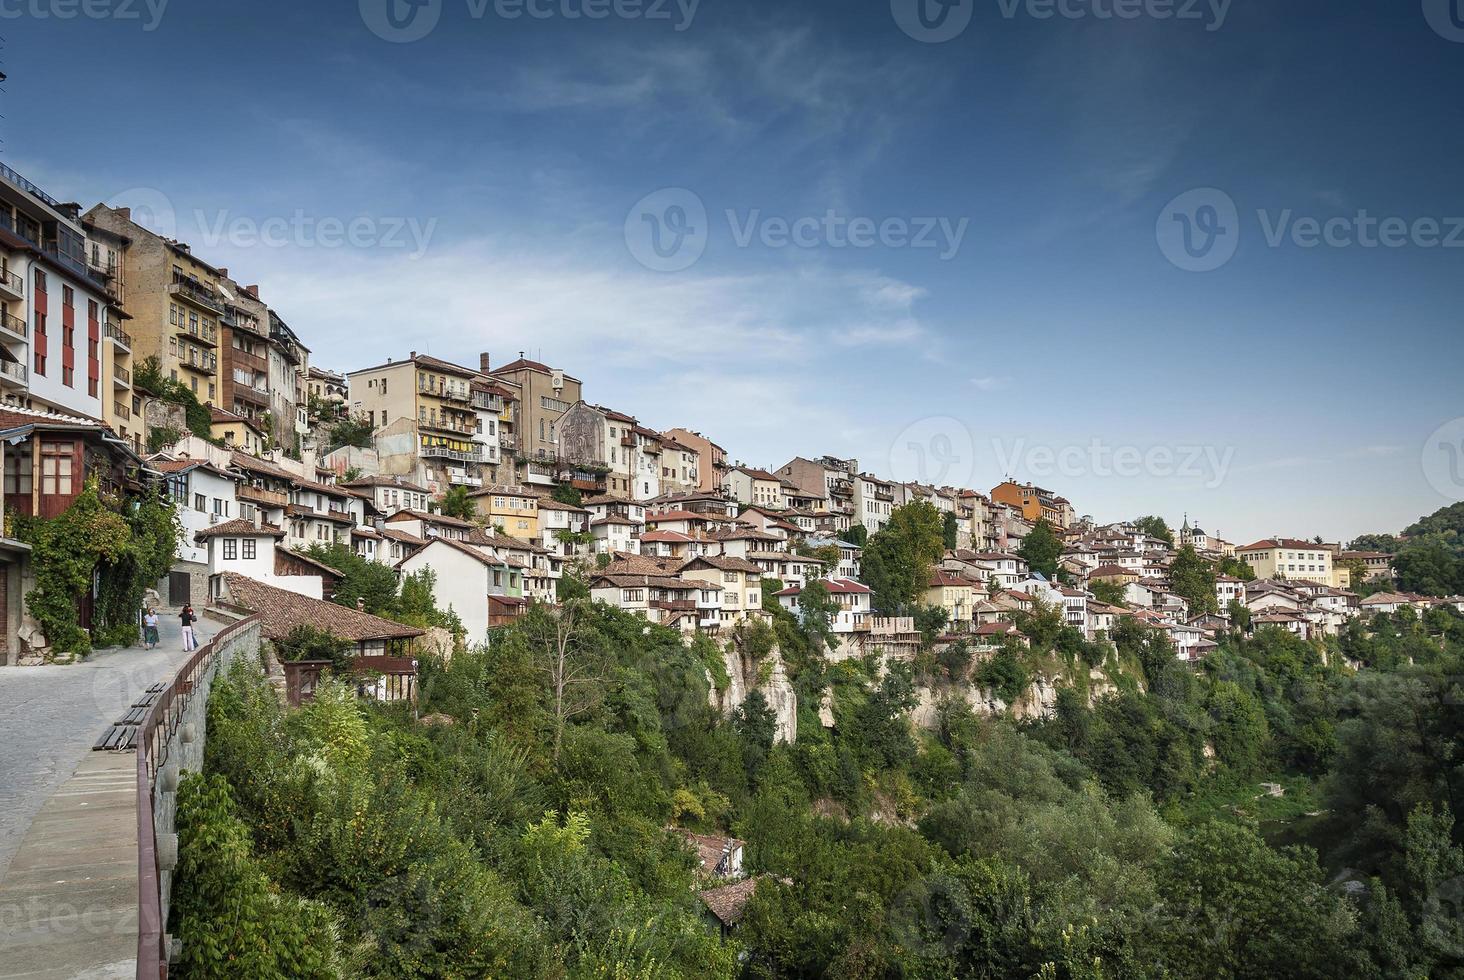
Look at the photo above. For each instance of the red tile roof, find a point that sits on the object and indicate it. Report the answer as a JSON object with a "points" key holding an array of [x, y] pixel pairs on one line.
{"points": [[281, 610]]}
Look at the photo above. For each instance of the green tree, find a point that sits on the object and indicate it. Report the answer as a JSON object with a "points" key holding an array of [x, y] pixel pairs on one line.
{"points": [[1156, 527], [816, 611], [1193, 579], [1107, 591], [456, 503], [950, 530], [1042, 549], [897, 561], [568, 493]]}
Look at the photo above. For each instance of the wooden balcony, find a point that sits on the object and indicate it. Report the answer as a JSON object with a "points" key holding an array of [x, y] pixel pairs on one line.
{"points": [[261, 496]]}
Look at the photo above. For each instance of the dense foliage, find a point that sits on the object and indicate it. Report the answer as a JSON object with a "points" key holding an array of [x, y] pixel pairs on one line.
{"points": [[1429, 556], [127, 545], [1124, 835]]}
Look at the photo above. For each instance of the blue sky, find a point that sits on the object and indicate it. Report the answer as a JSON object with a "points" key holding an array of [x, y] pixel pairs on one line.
{"points": [[504, 173]]}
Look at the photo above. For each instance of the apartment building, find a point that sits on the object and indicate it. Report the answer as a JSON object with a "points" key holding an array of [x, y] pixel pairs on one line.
{"points": [[425, 407], [603, 451], [874, 500], [121, 406], [1034, 503], [1291, 558], [711, 459], [545, 394], [59, 310], [289, 369], [390, 494], [174, 301], [244, 354]]}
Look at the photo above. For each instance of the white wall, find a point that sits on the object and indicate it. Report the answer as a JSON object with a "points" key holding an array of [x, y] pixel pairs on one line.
{"points": [[462, 583], [260, 567]]}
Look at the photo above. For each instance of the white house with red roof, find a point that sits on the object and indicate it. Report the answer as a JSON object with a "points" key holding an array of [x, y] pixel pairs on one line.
{"points": [[853, 599]]}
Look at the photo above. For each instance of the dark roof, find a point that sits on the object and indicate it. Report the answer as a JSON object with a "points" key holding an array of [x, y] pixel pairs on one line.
{"points": [[728, 902], [281, 610], [386, 481]]}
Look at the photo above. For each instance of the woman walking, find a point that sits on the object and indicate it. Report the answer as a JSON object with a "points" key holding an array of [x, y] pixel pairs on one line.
{"points": [[150, 628], [187, 619]]}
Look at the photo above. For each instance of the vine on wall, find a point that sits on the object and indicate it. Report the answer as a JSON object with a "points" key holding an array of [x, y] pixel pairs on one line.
{"points": [[131, 546]]}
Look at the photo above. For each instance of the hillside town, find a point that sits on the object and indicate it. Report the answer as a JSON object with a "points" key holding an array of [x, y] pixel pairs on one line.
{"points": [[131, 361]]}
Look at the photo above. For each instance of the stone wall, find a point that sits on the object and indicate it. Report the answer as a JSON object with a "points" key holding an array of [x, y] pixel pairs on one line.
{"points": [[183, 752]]}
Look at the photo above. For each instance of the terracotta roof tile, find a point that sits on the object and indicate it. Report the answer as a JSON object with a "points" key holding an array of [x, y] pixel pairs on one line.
{"points": [[281, 610]]}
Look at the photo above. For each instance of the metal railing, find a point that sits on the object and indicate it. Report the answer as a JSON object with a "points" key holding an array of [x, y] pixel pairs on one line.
{"points": [[13, 370], [122, 374], [11, 281], [13, 323], [118, 334], [442, 452], [197, 292], [27, 186], [167, 721]]}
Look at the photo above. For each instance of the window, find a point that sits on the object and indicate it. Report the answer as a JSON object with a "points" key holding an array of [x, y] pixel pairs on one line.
{"points": [[178, 489], [249, 547], [231, 549], [221, 507], [57, 459], [17, 474]]}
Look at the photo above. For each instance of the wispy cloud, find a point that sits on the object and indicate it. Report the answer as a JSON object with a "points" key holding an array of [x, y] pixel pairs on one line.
{"points": [[990, 383]]}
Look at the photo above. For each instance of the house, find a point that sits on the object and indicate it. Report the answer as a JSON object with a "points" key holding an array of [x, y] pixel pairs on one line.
{"points": [[711, 459], [248, 549], [1229, 589], [956, 595], [467, 578], [237, 432], [741, 583], [726, 904], [993, 634], [320, 513], [560, 524], [1390, 602], [1034, 503], [389, 494], [686, 604], [514, 509], [1377, 565], [873, 501], [204, 495], [717, 856], [424, 525], [281, 610], [852, 598], [752, 486], [47, 459]]}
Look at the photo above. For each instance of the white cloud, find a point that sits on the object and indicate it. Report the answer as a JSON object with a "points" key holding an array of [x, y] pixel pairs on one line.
{"points": [[990, 383]]}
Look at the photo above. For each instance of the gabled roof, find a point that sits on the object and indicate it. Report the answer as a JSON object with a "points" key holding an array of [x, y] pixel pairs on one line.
{"points": [[723, 563], [239, 529], [426, 518], [393, 482], [281, 610]]}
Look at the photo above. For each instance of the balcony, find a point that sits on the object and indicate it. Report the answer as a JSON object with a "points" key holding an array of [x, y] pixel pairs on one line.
{"points": [[461, 478], [121, 377], [442, 452], [13, 326], [12, 373], [119, 336], [457, 393], [487, 402], [121, 411], [674, 605], [196, 293], [628, 441], [208, 366], [11, 285], [208, 339], [444, 424], [261, 496]]}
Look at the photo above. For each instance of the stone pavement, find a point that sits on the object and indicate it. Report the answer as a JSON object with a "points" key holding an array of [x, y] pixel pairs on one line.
{"points": [[51, 715]]}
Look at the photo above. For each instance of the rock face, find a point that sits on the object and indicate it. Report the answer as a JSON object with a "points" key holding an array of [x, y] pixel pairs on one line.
{"points": [[767, 676], [1038, 701]]}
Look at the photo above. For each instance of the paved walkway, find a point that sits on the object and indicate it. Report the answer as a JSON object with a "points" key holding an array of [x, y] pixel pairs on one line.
{"points": [[50, 716]]}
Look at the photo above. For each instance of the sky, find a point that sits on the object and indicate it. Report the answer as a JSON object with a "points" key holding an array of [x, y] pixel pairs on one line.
{"points": [[1203, 258]]}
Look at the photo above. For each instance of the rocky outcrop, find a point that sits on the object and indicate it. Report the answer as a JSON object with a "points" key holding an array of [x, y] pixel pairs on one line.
{"points": [[767, 675], [1039, 700]]}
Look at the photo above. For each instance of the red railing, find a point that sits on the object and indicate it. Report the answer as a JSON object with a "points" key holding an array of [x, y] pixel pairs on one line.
{"points": [[157, 729]]}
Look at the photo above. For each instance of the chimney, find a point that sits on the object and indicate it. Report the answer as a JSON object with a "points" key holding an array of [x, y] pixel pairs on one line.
{"points": [[223, 272], [360, 603], [521, 355], [125, 213], [483, 362], [253, 290], [414, 355]]}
